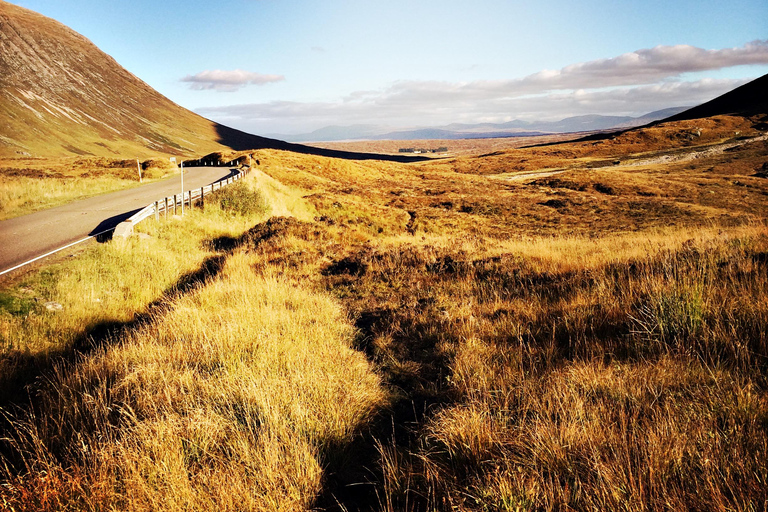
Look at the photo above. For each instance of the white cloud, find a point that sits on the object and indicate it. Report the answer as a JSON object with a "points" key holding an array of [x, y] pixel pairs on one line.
{"points": [[228, 81], [297, 117], [637, 68], [645, 66], [632, 83]]}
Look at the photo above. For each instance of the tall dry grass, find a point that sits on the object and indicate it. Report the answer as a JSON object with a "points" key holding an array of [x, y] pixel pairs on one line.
{"points": [[418, 339], [233, 390], [106, 286], [635, 384], [231, 398]]}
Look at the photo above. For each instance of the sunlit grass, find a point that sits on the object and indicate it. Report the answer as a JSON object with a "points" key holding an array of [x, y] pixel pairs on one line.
{"points": [[410, 337], [28, 186]]}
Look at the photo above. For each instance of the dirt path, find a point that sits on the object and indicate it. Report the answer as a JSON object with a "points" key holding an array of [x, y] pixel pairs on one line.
{"points": [[532, 175], [692, 155], [681, 156]]}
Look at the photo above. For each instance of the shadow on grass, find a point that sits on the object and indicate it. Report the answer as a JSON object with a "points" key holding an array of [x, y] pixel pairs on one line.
{"points": [[19, 371], [354, 479], [103, 232]]}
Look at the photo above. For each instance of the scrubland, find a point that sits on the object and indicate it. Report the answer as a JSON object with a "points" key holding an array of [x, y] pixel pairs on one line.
{"points": [[432, 336]]}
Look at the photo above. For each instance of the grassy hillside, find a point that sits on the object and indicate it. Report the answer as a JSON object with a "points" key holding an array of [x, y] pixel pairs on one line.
{"points": [[60, 96], [469, 334]]}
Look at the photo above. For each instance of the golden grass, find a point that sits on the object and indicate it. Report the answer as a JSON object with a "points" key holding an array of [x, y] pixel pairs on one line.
{"points": [[31, 184], [228, 399], [633, 384], [416, 337]]}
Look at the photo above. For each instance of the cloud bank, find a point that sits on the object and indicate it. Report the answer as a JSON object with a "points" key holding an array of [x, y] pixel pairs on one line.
{"points": [[632, 83], [643, 67], [228, 81]]}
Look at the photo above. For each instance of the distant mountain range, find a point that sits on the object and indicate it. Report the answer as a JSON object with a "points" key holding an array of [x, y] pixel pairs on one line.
{"points": [[62, 96], [515, 128]]}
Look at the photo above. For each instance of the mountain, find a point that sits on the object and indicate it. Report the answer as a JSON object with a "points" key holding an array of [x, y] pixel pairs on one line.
{"points": [[514, 128], [439, 134], [747, 100], [657, 115], [62, 96], [354, 131]]}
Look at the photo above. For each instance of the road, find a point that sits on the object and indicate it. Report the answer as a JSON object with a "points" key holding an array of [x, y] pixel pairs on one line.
{"points": [[27, 237]]}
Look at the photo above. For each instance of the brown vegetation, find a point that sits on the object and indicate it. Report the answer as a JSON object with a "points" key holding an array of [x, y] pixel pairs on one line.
{"points": [[433, 336]]}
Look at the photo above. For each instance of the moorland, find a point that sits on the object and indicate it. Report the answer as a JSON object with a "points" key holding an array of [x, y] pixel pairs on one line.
{"points": [[570, 326]]}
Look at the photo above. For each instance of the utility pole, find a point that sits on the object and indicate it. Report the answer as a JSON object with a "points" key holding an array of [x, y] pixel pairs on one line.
{"points": [[182, 188]]}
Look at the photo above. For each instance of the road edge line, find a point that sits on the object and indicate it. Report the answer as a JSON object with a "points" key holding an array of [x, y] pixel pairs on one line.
{"points": [[53, 252]]}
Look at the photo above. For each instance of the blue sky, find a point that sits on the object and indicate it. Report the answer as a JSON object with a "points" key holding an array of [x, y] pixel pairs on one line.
{"points": [[273, 66]]}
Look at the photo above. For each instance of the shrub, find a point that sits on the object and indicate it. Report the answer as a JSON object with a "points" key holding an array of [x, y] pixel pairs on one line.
{"points": [[239, 199]]}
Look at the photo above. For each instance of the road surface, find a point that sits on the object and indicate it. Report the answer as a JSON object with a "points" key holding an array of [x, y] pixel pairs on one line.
{"points": [[27, 237]]}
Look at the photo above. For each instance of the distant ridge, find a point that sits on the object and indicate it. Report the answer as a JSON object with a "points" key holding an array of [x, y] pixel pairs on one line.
{"points": [[515, 128], [62, 96]]}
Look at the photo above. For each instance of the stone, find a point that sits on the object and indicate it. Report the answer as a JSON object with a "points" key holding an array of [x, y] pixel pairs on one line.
{"points": [[123, 230], [53, 306]]}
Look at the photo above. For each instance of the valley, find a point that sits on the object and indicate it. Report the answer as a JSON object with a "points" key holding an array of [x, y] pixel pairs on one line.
{"points": [[604, 323], [570, 321]]}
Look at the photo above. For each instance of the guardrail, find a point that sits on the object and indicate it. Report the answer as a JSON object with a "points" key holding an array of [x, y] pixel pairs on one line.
{"points": [[175, 202]]}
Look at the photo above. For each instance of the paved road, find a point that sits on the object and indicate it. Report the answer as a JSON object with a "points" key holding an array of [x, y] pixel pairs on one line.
{"points": [[27, 237]]}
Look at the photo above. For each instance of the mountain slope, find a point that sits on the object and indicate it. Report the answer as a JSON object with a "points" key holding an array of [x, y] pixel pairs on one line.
{"points": [[62, 96], [747, 100]]}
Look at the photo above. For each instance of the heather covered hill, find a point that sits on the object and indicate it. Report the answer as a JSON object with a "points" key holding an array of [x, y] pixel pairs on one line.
{"points": [[748, 100], [62, 96]]}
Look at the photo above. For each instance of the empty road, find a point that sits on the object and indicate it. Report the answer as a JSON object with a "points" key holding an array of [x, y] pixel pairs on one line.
{"points": [[27, 237]]}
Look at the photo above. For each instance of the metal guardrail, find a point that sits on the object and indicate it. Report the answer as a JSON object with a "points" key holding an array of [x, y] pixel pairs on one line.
{"points": [[174, 202]]}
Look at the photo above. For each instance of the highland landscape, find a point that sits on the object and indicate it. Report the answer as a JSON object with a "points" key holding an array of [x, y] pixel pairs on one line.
{"points": [[564, 320]]}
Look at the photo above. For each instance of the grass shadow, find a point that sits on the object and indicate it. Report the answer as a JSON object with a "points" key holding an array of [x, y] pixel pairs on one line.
{"points": [[19, 371]]}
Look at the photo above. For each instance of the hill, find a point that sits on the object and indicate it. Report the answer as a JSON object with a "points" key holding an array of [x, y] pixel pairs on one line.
{"points": [[62, 96], [748, 100], [748, 103]]}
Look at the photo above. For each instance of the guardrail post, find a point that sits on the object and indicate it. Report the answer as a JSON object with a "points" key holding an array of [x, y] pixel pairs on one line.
{"points": [[175, 200], [157, 210], [202, 197]]}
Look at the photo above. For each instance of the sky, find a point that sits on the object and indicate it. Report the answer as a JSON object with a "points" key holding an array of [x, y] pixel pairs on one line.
{"points": [[288, 67]]}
